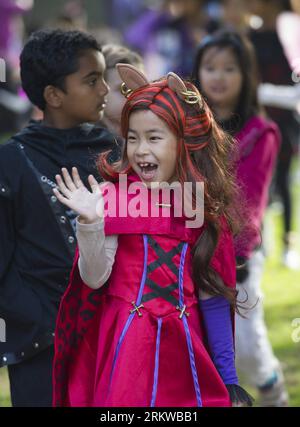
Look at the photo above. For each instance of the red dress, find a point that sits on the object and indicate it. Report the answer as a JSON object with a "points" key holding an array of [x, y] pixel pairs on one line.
{"points": [[139, 339]]}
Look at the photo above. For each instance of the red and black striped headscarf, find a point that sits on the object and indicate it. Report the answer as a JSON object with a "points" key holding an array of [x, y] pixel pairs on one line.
{"points": [[191, 123]]}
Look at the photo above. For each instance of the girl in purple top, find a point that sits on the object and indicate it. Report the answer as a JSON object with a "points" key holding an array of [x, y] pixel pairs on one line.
{"points": [[225, 72]]}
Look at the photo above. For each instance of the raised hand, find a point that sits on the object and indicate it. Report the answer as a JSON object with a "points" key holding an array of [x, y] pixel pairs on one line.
{"points": [[74, 194]]}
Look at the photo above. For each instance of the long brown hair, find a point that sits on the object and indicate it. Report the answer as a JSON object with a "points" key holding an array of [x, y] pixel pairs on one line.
{"points": [[205, 154]]}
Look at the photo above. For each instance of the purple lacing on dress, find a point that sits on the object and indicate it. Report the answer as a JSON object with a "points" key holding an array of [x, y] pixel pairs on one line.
{"points": [[182, 259], [192, 361], [154, 390], [186, 328]]}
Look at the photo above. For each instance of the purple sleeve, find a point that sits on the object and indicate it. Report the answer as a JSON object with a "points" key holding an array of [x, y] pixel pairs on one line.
{"points": [[217, 319], [216, 313]]}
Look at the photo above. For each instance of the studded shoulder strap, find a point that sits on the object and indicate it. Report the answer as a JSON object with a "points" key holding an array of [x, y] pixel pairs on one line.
{"points": [[62, 216]]}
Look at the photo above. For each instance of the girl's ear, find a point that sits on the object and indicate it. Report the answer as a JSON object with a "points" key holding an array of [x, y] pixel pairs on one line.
{"points": [[177, 85], [131, 76]]}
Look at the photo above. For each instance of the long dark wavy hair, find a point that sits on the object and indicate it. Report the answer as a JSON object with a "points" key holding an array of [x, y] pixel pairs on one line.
{"points": [[204, 155], [247, 105]]}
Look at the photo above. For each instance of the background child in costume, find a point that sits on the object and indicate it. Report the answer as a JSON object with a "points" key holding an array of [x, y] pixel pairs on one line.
{"points": [[113, 55], [152, 351], [275, 69], [225, 72]]}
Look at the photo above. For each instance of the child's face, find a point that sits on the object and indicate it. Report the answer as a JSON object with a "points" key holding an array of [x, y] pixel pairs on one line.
{"points": [[86, 90], [151, 148], [220, 77], [115, 100]]}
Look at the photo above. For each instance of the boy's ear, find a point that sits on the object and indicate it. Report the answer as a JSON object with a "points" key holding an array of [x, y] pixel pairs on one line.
{"points": [[53, 96], [131, 76]]}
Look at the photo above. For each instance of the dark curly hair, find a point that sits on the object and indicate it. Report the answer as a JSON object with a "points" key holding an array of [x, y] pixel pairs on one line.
{"points": [[48, 57]]}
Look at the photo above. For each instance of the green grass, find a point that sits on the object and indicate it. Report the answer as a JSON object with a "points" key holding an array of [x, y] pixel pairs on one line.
{"points": [[282, 304], [4, 388]]}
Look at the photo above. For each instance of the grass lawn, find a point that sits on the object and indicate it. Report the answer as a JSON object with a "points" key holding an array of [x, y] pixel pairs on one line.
{"points": [[282, 301], [282, 305]]}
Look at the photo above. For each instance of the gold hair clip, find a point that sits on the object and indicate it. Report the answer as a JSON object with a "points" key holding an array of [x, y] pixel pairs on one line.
{"points": [[191, 97], [125, 90]]}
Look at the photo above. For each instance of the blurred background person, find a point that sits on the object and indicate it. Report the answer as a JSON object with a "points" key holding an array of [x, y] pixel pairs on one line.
{"points": [[235, 15], [122, 13], [12, 29], [73, 16], [288, 27], [225, 72], [15, 109], [274, 68], [113, 55], [167, 35]]}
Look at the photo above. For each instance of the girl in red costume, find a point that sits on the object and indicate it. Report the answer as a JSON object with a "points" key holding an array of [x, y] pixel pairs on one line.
{"points": [[147, 318]]}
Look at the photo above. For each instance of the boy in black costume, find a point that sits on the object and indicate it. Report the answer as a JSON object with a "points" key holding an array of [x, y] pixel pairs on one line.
{"points": [[62, 74]]}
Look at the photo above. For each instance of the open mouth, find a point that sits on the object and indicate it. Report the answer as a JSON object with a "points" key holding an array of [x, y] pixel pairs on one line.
{"points": [[147, 170]]}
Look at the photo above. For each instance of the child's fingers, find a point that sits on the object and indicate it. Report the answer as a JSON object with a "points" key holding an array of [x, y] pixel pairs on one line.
{"points": [[94, 184], [68, 180], [61, 185], [61, 198], [76, 178]]}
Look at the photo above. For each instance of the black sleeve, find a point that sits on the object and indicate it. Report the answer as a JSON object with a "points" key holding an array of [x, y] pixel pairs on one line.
{"points": [[18, 302]]}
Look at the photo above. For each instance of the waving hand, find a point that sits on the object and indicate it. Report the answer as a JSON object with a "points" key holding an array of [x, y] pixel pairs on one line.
{"points": [[74, 194]]}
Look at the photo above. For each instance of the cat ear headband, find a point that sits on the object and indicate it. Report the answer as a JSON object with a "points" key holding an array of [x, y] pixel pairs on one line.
{"points": [[134, 79]]}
